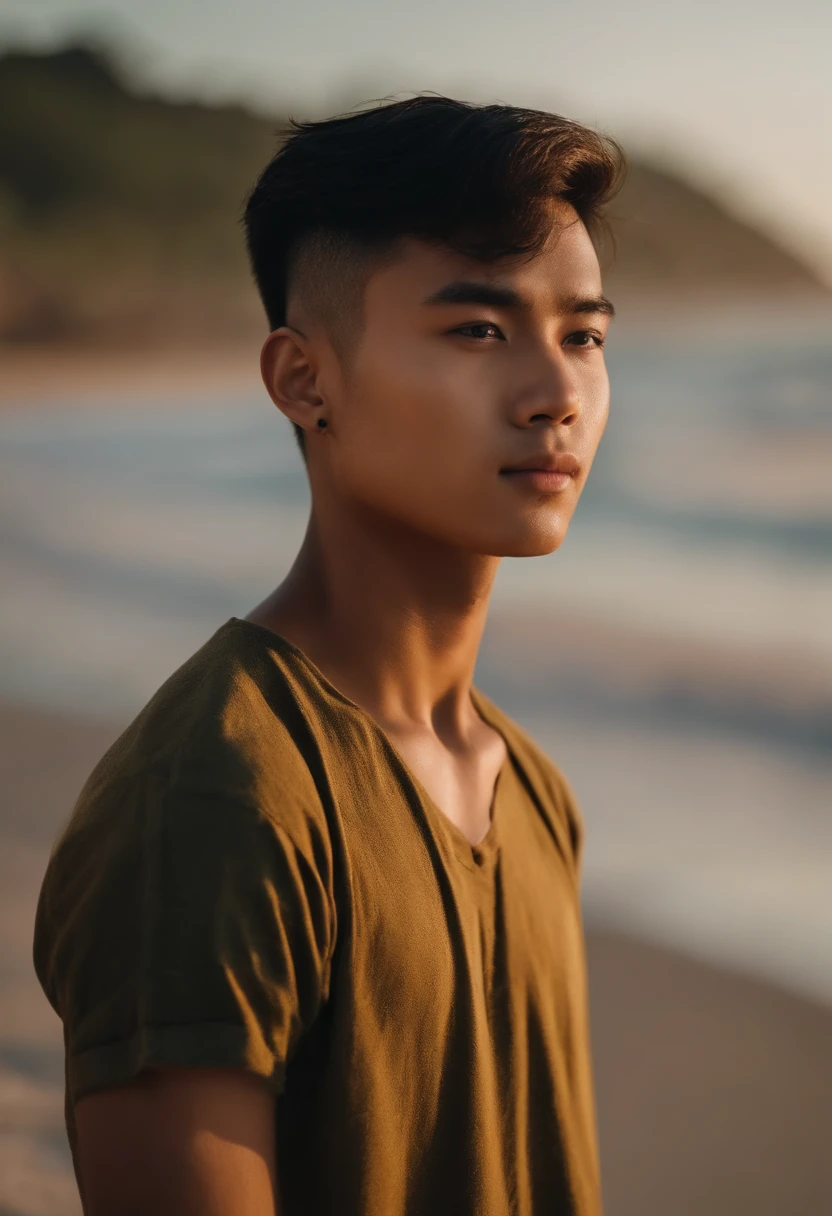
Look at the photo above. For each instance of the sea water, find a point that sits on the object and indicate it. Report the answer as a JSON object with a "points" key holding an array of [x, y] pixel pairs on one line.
{"points": [[128, 535]]}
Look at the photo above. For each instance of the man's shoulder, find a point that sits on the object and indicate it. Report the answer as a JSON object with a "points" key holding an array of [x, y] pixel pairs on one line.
{"points": [[546, 780], [197, 849], [229, 724]]}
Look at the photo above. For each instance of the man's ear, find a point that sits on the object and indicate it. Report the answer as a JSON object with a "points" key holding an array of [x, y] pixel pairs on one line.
{"points": [[290, 375]]}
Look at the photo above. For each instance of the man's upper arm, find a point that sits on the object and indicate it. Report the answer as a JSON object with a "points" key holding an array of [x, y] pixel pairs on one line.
{"points": [[179, 1142]]}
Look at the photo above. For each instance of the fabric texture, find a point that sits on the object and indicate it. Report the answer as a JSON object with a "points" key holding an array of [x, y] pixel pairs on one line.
{"points": [[252, 877]]}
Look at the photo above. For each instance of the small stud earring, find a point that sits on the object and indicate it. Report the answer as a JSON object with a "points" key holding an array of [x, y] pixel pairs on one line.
{"points": [[322, 423]]}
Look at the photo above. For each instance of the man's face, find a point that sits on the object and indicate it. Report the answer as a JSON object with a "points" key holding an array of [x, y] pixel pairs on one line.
{"points": [[464, 371]]}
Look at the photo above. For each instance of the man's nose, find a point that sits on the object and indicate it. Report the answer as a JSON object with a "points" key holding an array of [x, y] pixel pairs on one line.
{"points": [[551, 395]]}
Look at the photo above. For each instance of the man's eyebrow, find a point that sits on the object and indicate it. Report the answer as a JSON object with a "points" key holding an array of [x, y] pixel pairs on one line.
{"points": [[469, 291], [597, 304]]}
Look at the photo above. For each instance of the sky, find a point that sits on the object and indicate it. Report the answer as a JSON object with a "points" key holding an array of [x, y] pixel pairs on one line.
{"points": [[736, 94]]}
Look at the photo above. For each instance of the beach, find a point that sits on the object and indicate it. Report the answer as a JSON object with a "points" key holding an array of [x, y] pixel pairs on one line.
{"points": [[712, 1089]]}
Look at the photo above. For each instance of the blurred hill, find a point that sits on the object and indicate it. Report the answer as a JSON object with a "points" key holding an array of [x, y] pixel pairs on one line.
{"points": [[119, 217]]}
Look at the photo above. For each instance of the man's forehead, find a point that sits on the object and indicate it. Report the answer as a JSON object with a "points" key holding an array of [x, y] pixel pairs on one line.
{"points": [[421, 268]]}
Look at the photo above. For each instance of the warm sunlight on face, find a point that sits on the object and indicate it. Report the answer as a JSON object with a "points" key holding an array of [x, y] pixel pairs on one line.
{"points": [[465, 371]]}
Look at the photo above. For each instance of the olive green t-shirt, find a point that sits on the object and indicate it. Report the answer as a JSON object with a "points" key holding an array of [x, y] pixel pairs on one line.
{"points": [[252, 877]]}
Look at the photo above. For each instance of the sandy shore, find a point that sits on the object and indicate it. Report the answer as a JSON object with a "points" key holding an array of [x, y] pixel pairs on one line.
{"points": [[713, 1091], [37, 375]]}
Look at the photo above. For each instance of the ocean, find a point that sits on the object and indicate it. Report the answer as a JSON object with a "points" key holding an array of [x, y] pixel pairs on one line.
{"points": [[679, 668]]}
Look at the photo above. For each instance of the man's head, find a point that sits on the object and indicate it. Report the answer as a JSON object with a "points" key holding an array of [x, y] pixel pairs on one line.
{"points": [[357, 230]]}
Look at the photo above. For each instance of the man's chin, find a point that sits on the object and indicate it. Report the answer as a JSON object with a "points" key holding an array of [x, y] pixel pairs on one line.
{"points": [[530, 545]]}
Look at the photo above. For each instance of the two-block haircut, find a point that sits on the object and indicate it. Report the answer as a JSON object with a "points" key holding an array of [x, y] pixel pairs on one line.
{"points": [[339, 194]]}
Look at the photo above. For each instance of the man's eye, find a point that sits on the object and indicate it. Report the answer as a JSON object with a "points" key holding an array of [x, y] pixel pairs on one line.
{"points": [[466, 330], [586, 338]]}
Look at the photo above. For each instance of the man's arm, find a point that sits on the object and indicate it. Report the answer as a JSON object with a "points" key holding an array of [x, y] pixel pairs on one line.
{"points": [[179, 1142]]}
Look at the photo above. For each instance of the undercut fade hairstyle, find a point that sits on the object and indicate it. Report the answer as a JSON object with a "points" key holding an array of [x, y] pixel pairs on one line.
{"points": [[340, 194]]}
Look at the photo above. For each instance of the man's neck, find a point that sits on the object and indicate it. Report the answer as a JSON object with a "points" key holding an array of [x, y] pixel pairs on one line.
{"points": [[393, 620]]}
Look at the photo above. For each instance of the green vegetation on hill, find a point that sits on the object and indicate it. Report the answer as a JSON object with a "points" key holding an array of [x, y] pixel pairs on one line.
{"points": [[119, 214], [674, 240]]}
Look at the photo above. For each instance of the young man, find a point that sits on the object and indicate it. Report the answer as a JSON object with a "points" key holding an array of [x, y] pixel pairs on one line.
{"points": [[313, 927]]}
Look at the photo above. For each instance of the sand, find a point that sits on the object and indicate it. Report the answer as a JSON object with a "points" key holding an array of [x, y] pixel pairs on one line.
{"points": [[714, 1091], [37, 376]]}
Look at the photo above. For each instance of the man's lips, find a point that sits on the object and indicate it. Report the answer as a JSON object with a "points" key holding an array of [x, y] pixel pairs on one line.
{"points": [[547, 471], [547, 462]]}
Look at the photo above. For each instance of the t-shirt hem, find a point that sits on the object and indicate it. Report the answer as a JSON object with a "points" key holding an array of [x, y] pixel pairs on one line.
{"points": [[191, 1045]]}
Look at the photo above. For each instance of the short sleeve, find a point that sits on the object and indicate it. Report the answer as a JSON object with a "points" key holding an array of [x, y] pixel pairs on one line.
{"points": [[181, 927]]}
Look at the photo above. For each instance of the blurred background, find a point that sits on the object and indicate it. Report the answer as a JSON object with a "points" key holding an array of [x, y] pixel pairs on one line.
{"points": [[674, 657]]}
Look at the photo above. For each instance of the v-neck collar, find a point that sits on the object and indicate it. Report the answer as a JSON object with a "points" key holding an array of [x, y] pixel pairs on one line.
{"points": [[476, 857]]}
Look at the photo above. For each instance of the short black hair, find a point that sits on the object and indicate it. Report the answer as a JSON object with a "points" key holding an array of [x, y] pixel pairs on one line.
{"points": [[479, 179]]}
